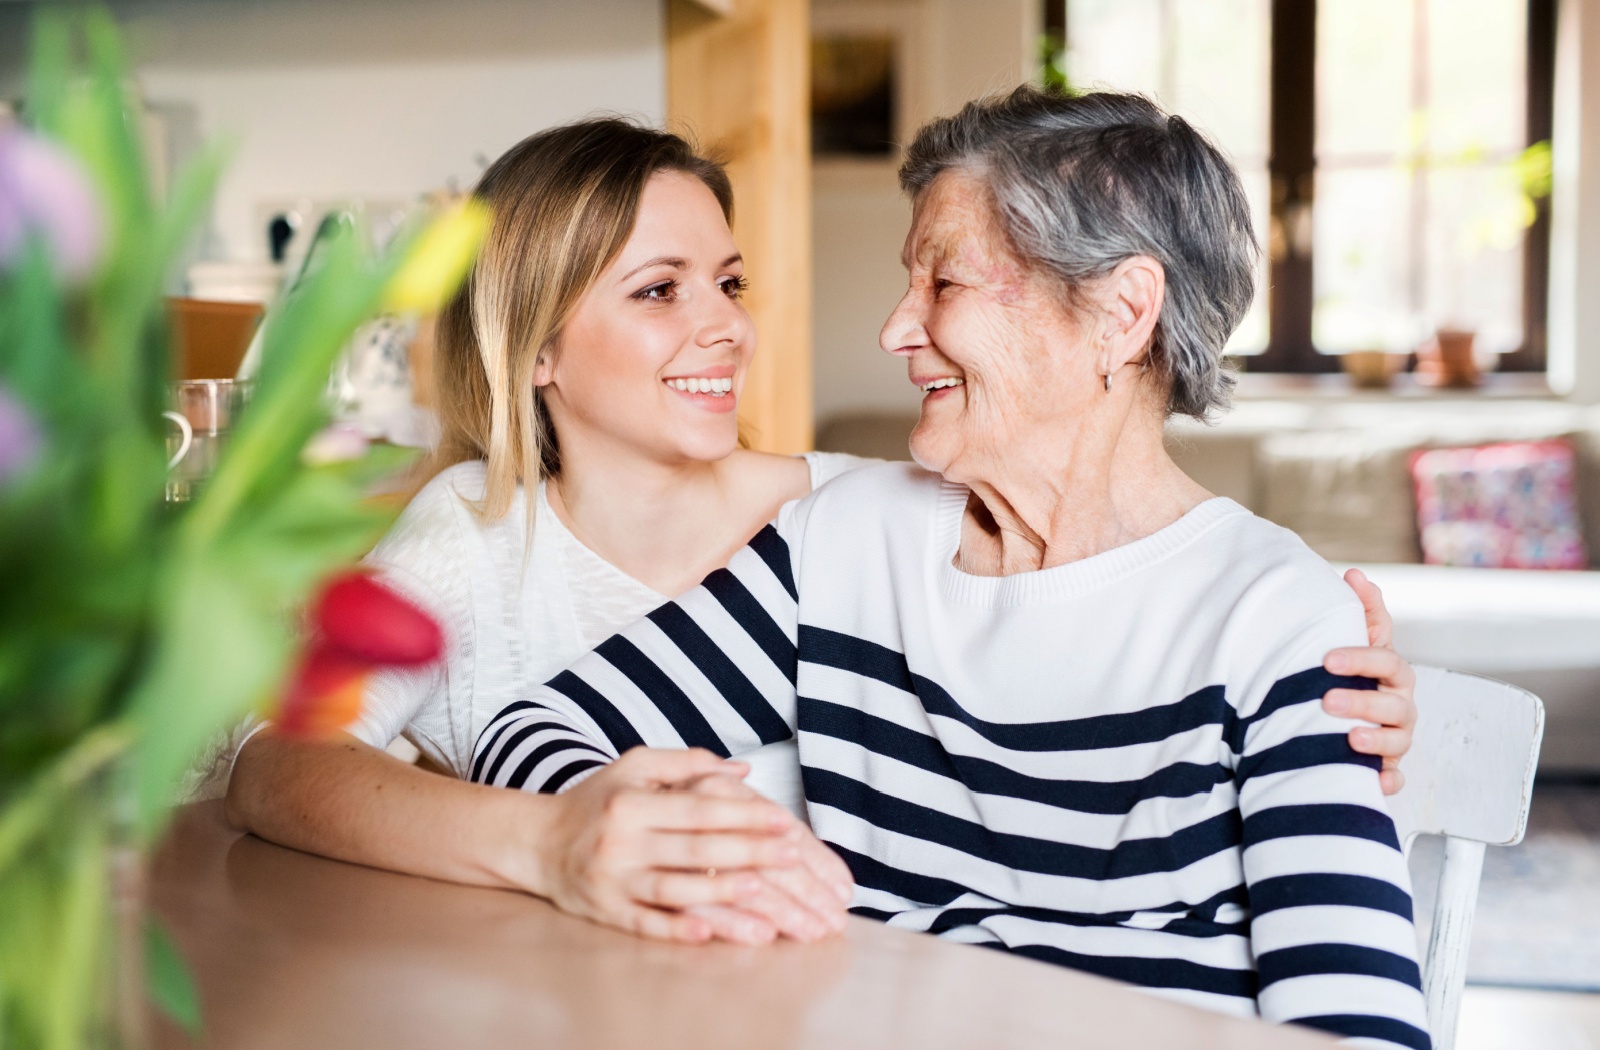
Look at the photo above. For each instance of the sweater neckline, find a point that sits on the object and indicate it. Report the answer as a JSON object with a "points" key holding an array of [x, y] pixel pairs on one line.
{"points": [[1061, 582]]}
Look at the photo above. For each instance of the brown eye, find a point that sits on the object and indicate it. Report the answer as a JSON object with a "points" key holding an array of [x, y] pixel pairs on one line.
{"points": [[734, 287], [662, 292]]}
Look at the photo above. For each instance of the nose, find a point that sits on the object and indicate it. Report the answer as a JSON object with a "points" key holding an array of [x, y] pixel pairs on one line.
{"points": [[903, 333], [721, 320]]}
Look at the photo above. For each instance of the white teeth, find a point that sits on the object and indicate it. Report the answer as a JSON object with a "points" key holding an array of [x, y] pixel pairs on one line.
{"points": [[940, 384], [716, 387]]}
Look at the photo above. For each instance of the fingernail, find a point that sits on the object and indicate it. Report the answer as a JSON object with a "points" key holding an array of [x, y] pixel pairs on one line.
{"points": [[1336, 662], [844, 892], [788, 855], [1336, 705], [747, 886], [1361, 738]]}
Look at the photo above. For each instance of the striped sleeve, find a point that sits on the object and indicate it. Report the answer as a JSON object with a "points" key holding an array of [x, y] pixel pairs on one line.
{"points": [[713, 669], [1329, 893]]}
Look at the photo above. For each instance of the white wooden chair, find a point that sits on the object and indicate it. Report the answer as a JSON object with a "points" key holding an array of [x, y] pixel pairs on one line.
{"points": [[1469, 778]]}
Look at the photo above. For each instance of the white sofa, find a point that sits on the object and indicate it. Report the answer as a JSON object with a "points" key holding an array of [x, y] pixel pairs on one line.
{"points": [[1337, 472]]}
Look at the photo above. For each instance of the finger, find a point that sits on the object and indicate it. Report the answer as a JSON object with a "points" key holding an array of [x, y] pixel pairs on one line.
{"points": [[1383, 664], [1389, 743], [697, 851], [1378, 706], [664, 767], [736, 925], [778, 904], [684, 927], [683, 889], [697, 811], [1380, 626], [1392, 780], [810, 905], [828, 867], [721, 785]]}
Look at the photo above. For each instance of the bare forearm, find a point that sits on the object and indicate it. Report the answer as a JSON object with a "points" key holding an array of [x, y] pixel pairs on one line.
{"points": [[342, 799]]}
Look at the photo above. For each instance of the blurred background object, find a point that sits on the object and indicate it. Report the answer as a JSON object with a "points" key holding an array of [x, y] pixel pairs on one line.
{"points": [[150, 591]]}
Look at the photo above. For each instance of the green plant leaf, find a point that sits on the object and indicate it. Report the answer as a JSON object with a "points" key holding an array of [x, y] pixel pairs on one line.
{"points": [[168, 981], [220, 645]]}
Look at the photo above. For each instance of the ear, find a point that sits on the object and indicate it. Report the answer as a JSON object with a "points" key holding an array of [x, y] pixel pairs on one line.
{"points": [[544, 367], [1132, 295]]}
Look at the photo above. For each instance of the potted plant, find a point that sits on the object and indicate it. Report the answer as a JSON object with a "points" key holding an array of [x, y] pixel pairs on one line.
{"points": [[1451, 357], [132, 629]]}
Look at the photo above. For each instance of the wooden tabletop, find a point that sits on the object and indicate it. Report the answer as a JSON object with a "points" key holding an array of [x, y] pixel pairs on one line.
{"points": [[291, 950]]}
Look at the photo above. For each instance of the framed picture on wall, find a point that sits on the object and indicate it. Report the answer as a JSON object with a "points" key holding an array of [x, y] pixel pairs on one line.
{"points": [[853, 89]]}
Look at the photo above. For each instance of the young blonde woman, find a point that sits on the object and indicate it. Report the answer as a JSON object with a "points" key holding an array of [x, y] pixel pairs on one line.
{"points": [[590, 469]]}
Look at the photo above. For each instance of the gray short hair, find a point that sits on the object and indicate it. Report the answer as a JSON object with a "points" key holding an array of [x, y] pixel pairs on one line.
{"points": [[1082, 182]]}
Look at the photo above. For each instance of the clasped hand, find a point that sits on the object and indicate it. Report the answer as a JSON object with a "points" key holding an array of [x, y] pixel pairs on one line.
{"points": [[672, 845]]}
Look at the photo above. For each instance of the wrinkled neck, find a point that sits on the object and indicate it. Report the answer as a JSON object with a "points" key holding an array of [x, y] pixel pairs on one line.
{"points": [[1085, 489]]}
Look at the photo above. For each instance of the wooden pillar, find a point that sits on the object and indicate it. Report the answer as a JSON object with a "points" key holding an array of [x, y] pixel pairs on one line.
{"points": [[738, 79]]}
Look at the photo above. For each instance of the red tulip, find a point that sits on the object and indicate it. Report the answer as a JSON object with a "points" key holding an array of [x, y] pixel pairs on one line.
{"points": [[325, 693], [362, 617], [357, 626]]}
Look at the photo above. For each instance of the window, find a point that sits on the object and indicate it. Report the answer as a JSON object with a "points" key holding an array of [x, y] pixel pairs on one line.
{"points": [[1384, 148]]}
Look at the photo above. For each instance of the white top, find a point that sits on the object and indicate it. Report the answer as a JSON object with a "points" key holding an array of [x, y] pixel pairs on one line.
{"points": [[508, 624], [1121, 764]]}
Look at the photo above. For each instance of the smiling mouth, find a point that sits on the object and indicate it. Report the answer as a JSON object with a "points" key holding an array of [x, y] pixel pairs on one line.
{"points": [[940, 384], [701, 385]]}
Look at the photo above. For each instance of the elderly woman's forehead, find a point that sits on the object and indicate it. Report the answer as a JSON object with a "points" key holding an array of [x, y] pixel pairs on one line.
{"points": [[954, 219]]}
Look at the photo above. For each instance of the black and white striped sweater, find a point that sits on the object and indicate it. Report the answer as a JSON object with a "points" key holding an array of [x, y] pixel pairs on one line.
{"points": [[1120, 764]]}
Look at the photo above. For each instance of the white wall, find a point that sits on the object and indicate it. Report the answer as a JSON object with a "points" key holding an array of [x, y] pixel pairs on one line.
{"points": [[951, 51], [377, 99]]}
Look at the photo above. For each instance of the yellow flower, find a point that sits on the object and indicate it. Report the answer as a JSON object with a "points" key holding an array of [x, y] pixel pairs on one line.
{"points": [[439, 259]]}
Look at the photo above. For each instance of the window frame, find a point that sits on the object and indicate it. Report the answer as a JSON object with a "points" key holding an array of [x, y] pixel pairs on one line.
{"points": [[1292, 171]]}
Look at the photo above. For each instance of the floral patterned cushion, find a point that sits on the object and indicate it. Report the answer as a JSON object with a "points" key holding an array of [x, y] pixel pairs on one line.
{"points": [[1502, 506]]}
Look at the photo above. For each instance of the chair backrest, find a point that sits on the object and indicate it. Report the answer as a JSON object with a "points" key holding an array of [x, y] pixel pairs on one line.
{"points": [[1469, 774], [1469, 778]]}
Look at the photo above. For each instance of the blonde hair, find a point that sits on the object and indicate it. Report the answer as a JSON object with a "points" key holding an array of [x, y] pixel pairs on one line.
{"points": [[564, 203]]}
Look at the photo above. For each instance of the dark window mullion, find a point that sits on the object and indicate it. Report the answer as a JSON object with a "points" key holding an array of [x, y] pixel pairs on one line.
{"points": [[1292, 167]]}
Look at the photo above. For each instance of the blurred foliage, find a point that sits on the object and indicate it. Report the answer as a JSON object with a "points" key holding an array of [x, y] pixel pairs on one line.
{"points": [[1053, 64], [133, 630]]}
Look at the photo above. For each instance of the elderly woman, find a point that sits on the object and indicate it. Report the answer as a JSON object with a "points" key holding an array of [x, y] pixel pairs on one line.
{"points": [[1049, 694]]}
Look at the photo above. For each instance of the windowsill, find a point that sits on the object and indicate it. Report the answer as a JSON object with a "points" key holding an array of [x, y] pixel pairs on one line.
{"points": [[1403, 387]]}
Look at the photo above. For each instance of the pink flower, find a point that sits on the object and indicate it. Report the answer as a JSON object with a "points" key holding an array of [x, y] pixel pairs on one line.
{"points": [[19, 438], [45, 192]]}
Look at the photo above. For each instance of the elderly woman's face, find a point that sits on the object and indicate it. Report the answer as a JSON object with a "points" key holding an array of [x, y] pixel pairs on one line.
{"points": [[988, 340]]}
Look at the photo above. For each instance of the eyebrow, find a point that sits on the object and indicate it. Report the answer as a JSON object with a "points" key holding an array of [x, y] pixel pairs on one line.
{"points": [[677, 262]]}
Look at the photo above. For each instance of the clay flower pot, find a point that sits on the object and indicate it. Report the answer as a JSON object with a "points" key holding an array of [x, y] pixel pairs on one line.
{"points": [[1448, 360]]}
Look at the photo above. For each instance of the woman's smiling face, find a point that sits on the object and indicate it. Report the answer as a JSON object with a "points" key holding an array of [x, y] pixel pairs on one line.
{"points": [[656, 352], [988, 340]]}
